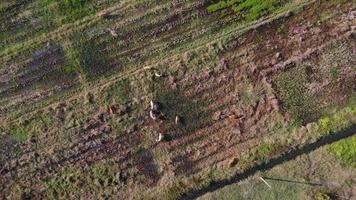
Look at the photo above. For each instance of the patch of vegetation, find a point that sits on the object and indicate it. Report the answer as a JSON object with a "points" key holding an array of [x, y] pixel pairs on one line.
{"points": [[97, 179], [174, 103], [338, 119], [116, 93], [346, 150], [178, 189], [322, 18], [87, 57], [66, 11], [30, 127], [281, 28], [249, 94], [16, 191], [295, 99], [249, 10], [322, 196], [336, 122], [175, 191], [4, 4], [61, 185], [262, 152], [335, 2], [334, 73], [226, 193], [281, 127]]}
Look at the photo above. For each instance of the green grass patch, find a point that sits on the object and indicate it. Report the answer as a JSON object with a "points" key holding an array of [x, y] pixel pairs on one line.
{"points": [[336, 122], [346, 150], [262, 152], [66, 11], [29, 127], [249, 10]]}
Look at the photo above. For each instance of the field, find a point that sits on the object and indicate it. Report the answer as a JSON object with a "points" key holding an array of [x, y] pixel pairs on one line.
{"points": [[182, 99], [319, 175]]}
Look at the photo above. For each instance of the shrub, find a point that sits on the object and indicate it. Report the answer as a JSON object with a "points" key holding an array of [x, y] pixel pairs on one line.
{"points": [[322, 196]]}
